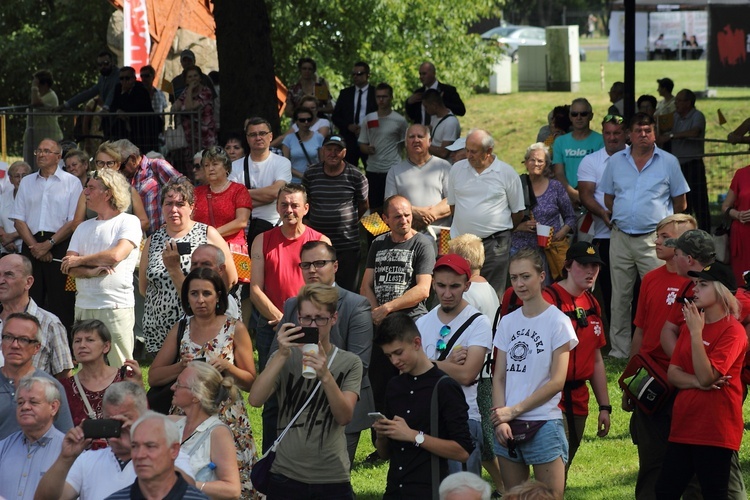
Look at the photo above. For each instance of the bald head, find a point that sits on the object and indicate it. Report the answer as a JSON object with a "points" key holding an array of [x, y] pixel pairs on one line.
{"points": [[212, 257], [427, 73]]}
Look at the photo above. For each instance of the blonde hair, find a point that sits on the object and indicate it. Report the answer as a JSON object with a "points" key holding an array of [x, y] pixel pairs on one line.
{"points": [[322, 296], [118, 187], [727, 299], [470, 247], [680, 221], [108, 148], [210, 387]]}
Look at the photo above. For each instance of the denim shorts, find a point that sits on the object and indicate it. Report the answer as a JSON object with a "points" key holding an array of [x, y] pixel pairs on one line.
{"points": [[548, 444]]}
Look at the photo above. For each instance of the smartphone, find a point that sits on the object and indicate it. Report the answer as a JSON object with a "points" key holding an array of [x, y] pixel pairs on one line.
{"points": [[685, 300], [311, 335], [183, 247], [101, 428], [201, 359], [376, 415], [126, 371]]}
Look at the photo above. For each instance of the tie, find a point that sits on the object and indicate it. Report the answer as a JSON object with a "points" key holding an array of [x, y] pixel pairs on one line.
{"points": [[359, 107]]}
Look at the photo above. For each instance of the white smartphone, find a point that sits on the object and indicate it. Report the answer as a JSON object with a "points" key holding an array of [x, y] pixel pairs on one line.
{"points": [[376, 415]]}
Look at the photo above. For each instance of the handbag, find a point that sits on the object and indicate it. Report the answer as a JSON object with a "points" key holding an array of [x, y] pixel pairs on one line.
{"points": [[239, 252], [260, 474], [174, 138], [646, 384], [525, 430], [721, 244], [160, 396]]}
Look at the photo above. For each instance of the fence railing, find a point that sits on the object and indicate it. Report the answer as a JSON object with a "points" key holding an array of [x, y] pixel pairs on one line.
{"points": [[22, 129]]}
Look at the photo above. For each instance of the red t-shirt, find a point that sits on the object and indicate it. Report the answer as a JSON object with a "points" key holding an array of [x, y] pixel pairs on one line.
{"points": [[224, 206], [659, 291], [743, 296], [590, 339], [282, 276], [712, 417]]}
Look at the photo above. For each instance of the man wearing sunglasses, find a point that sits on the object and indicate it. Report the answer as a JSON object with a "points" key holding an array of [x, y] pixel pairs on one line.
{"points": [[351, 107], [131, 96], [571, 148], [463, 357], [104, 87]]}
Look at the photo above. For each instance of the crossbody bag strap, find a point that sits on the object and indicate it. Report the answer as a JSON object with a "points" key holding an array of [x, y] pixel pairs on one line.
{"points": [[304, 149], [455, 336], [247, 171], [89, 410], [180, 333], [296, 416], [441, 121], [434, 460]]}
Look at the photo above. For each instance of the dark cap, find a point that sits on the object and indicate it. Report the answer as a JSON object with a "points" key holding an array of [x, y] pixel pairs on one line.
{"points": [[335, 139], [667, 83], [584, 253], [187, 53], [717, 272], [455, 263], [696, 243]]}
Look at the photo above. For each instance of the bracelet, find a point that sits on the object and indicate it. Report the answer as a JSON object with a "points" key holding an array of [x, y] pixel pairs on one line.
{"points": [[607, 408], [726, 212], [203, 485]]}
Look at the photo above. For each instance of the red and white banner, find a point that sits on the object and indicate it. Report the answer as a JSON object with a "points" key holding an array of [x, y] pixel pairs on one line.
{"points": [[137, 40]]}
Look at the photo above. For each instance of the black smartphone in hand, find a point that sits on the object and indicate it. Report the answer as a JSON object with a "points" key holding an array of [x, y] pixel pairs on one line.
{"points": [[183, 247], [311, 335], [101, 428]]}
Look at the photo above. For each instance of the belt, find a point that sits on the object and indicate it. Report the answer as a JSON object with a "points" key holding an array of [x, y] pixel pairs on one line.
{"points": [[495, 235], [633, 235]]}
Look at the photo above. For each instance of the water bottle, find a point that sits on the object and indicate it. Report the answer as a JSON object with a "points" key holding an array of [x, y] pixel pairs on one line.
{"points": [[206, 474]]}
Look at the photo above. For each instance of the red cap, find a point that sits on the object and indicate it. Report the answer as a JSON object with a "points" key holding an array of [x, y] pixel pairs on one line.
{"points": [[455, 262]]}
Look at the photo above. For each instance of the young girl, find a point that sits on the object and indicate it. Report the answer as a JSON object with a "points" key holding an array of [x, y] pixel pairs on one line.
{"points": [[706, 364], [533, 350]]}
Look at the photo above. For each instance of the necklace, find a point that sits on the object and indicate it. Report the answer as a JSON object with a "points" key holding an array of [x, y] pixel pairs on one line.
{"points": [[222, 188]]}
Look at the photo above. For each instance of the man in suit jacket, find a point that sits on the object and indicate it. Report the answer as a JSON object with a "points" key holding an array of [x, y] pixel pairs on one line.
{"points": [[352, 332], [351, 107], [451, 99]]}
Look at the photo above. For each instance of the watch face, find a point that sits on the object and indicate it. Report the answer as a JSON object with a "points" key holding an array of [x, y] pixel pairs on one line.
{"points": [[420, 438]]}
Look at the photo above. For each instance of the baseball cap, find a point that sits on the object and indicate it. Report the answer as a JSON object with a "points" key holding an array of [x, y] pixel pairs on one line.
{"points": [[717, 272], [696, 243], [187, 53], [667, 83], [335, 139], [457, 145], [455, 263], [584, 253]]}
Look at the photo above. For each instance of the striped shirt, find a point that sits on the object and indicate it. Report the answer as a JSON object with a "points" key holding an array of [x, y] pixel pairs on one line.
{"points": [[334, 203], [180, 490]]}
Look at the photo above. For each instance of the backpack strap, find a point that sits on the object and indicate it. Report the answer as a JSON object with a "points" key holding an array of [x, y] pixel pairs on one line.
{"points": [[434, 460]]}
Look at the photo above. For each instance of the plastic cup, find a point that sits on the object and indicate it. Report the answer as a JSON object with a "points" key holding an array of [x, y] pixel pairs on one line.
{"points": [[309, 371]]}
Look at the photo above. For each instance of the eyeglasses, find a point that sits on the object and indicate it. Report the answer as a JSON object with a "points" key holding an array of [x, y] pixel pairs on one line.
{"points": [[576, 114], [253, 135], [108, 163], [305, 120], [126, 78], [613, 118], [382, 96], [38, 152], [309, 320], [441, 345], [197, 166], [317, 264], [358, 73], [22, 341]]}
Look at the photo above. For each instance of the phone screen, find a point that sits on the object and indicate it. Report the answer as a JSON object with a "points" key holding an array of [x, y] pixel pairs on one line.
{"points": [[312, 334], [101, 428]]}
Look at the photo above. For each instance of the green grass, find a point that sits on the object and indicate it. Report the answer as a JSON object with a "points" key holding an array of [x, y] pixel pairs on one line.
{"points": [[515, 118], [604, 468]]}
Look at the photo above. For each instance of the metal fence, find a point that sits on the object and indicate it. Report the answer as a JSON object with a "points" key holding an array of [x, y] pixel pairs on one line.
{"points": [[175, 134]]}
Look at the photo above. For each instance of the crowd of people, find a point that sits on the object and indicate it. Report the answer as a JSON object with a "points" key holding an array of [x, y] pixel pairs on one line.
{"points": [[431, 351]]}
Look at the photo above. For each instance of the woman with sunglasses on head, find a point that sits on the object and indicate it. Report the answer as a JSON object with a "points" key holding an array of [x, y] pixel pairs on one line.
{"points": [[224, 343], [302, 147], [534, 344], [706, 365], [108, 156]]}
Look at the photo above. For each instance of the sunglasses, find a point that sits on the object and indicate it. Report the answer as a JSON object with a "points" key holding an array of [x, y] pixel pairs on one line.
{"points": [[576, 114], [358, 73], [441, 345], [305, 120], [613, 119], [125, 78]]}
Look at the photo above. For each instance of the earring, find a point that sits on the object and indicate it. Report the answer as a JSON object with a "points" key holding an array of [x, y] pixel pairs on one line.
{"points": [[217, 306]]}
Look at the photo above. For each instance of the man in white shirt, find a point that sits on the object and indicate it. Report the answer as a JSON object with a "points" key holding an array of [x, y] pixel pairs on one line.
{"points": [[463, 357], [43, 211], [96, 474], [263, 173], [486, 199], [444, 125], [102, 257]]}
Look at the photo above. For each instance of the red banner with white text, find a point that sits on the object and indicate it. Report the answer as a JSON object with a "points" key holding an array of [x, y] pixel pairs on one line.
{"points": [[137, 41]]}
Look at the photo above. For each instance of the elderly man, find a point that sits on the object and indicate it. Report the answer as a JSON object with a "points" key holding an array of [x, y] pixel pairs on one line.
{"points": [[352, 332], [9, 238], [25, 455], [422, 179], [590, 173], [337, 192], [263, 173], [20, 342], [642, 185], [155, 446], [275, 274], [444, 125], [686, 138], [102, 257], [353, 104], [147, 176], [380, 138], [571, 148], [427, 75], [104, 87], [16, 279], [486, 199], [95, 474], [43, 211], [464, 486]]}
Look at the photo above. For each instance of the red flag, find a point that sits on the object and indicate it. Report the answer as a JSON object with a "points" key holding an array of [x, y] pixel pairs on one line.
{"points": [[373, 123]]}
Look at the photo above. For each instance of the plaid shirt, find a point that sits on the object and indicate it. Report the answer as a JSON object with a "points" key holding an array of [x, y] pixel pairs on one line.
{"points": [[54, 354], [147, 184]]}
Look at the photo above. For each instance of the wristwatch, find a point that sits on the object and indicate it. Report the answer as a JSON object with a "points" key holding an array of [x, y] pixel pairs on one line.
{"points": [[419, 439], [607, 408], [52, 241]]}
